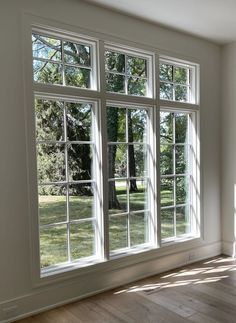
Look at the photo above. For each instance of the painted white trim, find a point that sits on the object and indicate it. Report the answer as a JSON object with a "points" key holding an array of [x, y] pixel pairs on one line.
{"points": [[74, 290], [229, 248]]}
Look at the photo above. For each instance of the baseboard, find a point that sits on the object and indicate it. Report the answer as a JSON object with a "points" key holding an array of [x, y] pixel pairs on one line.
{"points": [[53, 296], [229, 248]]}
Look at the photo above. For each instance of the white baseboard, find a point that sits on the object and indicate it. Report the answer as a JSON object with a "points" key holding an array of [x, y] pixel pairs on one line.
{"points": [[229, 248], [52, 296]]}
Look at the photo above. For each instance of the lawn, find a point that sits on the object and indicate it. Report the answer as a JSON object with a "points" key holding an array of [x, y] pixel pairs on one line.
{"points": [[53, 238]]}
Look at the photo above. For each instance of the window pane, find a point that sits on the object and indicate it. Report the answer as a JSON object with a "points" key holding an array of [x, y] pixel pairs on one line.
{"points": [[117, 197], [80, 162], [117, 160], [181, 93], [136, 66], [81, 201], [116, 124], [137, 125], [82, 240], [75, 76], [114, 62], [79, 121], [51, 162], [182, 189], [166, 159], [52, 204], [46, 72], [167, 223], [137, 86], [182, 220], [166, 72], [115, 83], [138, 195], [118, 232], [167, 191], [181, 159], [45, 47], [181, 75], [138, 228], [166, 127], [77, 54], [166, 91], [181, 128], [53, 245], [137, 160], [49, 120]]}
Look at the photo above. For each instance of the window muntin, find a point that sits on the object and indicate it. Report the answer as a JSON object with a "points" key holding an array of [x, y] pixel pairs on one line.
{"points": [[176, 81], [129, 179], [176, 168], [67, 185], [127, 73], [63, 62]]}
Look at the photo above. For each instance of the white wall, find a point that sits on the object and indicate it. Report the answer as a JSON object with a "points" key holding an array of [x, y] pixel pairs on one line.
{"points": [[228, 173], [16, 287]]}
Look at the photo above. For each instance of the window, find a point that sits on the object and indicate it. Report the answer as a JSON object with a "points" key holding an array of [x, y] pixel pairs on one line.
{"points": [[177, 81], [97, 148]]}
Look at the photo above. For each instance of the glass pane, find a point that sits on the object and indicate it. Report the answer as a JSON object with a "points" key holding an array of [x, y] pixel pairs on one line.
{"points": [[166, 159], [182, 220], [81, 201], [80, 162], [114, 62], [75, 76], [137, 86], [46, 72], [166, 91], [82, 240], [51, 162], [45, 47], [166, 127], [136, 66], [166, 72], [167, 223], [117, 197], [138, 228], [52, 204], [181, 159], [181, 75], [53, 245], [181, 128], [118, 232], [117, 160], [116, 124], [138, 195], [167, 191], [137, 125], [115, 83], [137, 160], [49, 120], [77, 54], [79, 121], [182, 190], [181, 93]]}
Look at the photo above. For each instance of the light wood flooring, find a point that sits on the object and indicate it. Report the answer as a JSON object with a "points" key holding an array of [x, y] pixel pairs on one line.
{"points": [[204, 292]]}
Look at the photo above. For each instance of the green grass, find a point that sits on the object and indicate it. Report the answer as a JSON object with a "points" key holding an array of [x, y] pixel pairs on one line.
{"points": [[53, 239]]}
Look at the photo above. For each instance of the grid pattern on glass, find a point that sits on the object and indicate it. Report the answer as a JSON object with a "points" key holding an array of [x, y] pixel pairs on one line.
{"points": [[126, 73], [175, 161], [175, 82], [57, 61], [128, 184], [66, 184]]}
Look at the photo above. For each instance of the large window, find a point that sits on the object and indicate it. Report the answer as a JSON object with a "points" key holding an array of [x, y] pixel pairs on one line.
{"points": [[106, 148]]}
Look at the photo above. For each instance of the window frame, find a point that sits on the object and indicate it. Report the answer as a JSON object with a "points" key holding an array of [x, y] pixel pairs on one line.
{"points": [[35, 25]]}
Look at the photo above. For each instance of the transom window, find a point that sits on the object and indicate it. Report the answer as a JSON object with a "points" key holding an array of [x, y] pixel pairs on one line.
{"points": [[176, 81], [104, 156]]}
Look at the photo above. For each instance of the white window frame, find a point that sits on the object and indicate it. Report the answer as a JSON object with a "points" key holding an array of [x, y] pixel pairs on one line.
{"points": [[101, 97]]}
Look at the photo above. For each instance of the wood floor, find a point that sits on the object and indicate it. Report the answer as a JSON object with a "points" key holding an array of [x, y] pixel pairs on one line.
{"points": [[204, 292]]}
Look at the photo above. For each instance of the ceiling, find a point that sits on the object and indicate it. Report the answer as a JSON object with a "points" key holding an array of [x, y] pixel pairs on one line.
{"points": [[214, 20]]}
